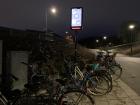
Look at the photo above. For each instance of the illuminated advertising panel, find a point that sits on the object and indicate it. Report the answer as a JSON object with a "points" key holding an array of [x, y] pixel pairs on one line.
{"points": [[76, 18]]}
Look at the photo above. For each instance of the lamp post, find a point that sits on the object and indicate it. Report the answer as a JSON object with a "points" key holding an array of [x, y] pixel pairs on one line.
{"points": [[131, 27], [97, 42], [53, 11], [104, 39]]}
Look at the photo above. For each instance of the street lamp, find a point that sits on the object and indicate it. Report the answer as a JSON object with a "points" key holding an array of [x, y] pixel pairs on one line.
{"points": [[53, 11], [105, 37], [97, 41], [131, 27], [104, 40]]}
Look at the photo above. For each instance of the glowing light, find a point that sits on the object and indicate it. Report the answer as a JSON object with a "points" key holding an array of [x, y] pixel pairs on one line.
{"points": [[104, 37], [53, 10], [97, 41], [131, 26]]}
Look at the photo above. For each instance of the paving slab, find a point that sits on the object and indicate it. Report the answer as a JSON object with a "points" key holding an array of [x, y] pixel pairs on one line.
{"points": [[121, 94]]}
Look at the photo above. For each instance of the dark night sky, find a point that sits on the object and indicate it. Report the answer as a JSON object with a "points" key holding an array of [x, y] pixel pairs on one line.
{"points": [[100, 16]]}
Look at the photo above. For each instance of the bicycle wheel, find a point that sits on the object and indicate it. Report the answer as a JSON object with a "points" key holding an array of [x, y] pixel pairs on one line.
{"points": [[98, 85], [109, 79], [115, 71], [75, 97]]}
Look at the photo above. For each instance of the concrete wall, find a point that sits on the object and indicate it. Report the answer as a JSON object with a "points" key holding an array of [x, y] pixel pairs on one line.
{"points": [[18, 69]]}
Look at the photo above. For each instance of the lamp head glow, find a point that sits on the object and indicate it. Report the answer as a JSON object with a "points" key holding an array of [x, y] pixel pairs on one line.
{"points": [[53, 10], [131, 27], [104, 37], [97, 41]]}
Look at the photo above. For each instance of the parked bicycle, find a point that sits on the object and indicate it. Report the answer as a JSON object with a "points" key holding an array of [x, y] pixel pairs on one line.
{"points": [[108, 61], [56, 94], [89, 81]]}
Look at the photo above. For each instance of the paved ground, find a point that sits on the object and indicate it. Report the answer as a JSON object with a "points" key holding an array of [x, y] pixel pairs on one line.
{"points": [[131, 71], [121, 94]]}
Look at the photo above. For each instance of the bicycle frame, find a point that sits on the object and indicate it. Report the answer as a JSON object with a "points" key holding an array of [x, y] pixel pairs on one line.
{"points": [[3, 99], [77, 71]]}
